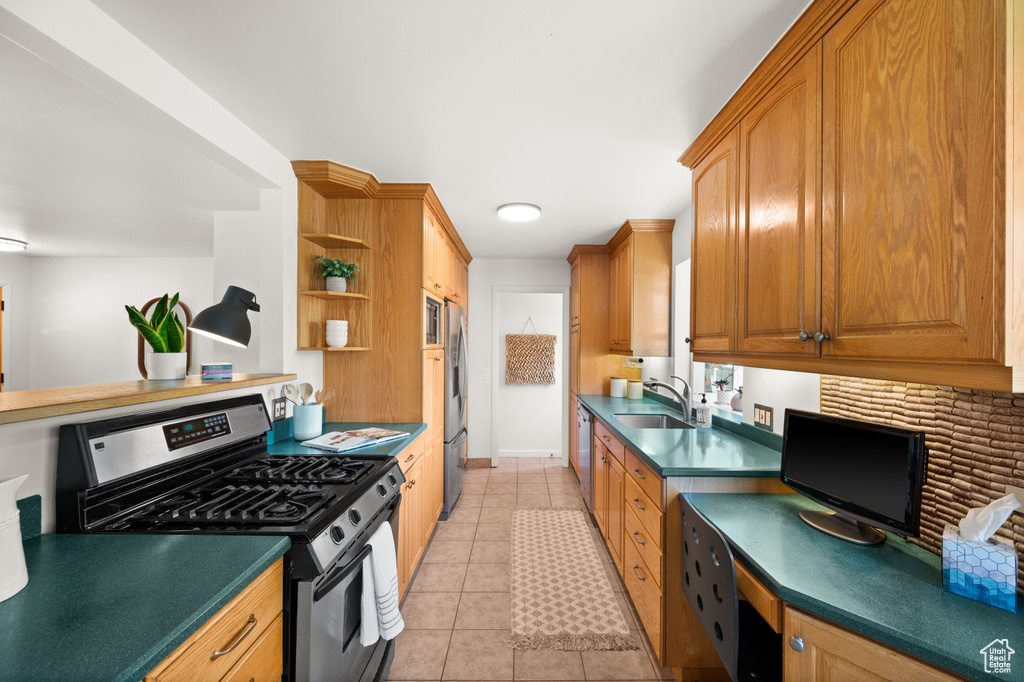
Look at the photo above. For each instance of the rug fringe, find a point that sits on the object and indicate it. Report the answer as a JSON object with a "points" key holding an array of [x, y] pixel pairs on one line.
{"points": [[568, 642]]}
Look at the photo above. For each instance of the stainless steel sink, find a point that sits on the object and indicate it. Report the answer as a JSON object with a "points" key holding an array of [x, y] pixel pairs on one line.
{"points": [[651, 421]]}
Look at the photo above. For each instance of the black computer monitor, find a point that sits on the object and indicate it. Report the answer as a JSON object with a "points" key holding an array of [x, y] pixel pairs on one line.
{"points": [[870, 474]]}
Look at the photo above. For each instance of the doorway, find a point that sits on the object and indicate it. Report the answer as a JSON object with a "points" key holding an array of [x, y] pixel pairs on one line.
{"points": [[529, 420]]}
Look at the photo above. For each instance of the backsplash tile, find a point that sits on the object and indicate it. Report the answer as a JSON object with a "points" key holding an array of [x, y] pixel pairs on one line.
{"points": [[975, 444]]}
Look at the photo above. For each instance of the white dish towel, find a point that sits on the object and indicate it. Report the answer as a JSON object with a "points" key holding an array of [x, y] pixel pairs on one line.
{"points": [[380, 616]]}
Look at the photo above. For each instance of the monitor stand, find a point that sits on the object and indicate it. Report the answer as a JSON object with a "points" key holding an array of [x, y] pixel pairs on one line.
{"points": [[843, 527]]}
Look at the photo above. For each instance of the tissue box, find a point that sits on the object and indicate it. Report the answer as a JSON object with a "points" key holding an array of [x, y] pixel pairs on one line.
{"points": [[216, 370], [987, 573]]}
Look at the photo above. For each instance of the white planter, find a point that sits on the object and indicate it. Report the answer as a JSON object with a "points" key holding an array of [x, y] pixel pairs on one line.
{"points": [[13, 572], [723, 397], [339, 284], [166, 366]]}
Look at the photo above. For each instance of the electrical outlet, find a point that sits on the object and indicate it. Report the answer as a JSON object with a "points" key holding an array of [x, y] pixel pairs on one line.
{"points": [[1019, 492], [279, 405], [764, 417]]}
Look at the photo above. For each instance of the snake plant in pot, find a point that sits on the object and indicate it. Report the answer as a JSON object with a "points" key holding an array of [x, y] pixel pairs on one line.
{"points": [[165, 334]]}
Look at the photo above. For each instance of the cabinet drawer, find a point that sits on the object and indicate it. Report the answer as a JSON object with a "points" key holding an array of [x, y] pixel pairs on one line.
{"points": [[640, 504], [408, 457], [647, 597], [264, 661], [649, 482], [645, 544], [613, 444], [240, 623]]}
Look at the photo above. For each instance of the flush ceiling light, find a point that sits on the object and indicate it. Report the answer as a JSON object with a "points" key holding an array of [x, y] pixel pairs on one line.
{"points": [[518, 213], [12, 244], [227, 321]]}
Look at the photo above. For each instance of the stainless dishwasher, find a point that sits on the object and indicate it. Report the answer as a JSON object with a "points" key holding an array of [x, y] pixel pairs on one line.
{"points": [[584, 422]]}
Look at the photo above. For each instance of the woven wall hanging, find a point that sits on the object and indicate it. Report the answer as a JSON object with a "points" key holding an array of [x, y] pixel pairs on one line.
{"points": [[529, 358]]}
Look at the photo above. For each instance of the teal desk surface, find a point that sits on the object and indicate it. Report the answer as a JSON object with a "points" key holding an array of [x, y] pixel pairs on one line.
{"points": [[684, 452], [891, 592], [388, 449], [110, 607]]}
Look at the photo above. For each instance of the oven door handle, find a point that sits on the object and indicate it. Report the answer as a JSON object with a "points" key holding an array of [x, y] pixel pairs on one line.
{"points": [[341, 574]]}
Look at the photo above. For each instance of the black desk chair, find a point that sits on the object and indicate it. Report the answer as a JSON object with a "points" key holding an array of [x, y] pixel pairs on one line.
{"points": [[709, 582]]}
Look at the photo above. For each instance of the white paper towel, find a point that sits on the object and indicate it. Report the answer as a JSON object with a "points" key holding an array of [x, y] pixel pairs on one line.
{"points": [[981, 523]]}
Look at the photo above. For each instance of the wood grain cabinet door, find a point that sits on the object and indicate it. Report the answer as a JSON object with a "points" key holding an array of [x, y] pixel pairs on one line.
{"points": [[713, 273], [778, 240], [621, 296], [616, 509], [574, 293], [911, 180], [599, 463], [574, 359]]}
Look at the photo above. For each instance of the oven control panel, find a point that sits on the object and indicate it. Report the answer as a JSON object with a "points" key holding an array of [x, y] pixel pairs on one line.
{"points": [[182, 434]]}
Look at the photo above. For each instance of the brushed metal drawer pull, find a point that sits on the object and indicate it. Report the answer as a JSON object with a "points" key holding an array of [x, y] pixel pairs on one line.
{"points": [[607, 438], [638, 577], [604, 459], [410, 457], [638, 540], [245, 633], [639, 475], [636, 503]]}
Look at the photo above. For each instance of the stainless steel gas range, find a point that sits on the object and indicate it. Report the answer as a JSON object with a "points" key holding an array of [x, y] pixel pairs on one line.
{"points": [[204, 468]]}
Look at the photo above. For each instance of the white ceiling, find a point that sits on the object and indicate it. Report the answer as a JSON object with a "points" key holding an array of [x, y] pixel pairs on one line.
{"points": [[580, 106], [81, 176]]}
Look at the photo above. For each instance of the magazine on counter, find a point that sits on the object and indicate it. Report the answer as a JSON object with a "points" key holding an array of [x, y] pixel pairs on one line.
{"points": [[343, 441]]}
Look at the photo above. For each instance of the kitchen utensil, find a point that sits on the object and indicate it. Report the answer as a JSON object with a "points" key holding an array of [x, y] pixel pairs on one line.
{"points": [[305, 391], [324, 395], [291, 393], [13, 572], [307, 421]]}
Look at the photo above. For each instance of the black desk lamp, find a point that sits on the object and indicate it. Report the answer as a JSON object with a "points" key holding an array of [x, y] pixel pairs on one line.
{"points": [[228, 321]]}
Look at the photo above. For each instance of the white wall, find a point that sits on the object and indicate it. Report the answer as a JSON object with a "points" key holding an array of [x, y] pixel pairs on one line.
{"points": [[15, 341], [80, 332], [31, 447], [484, 275], [531, 415], [778, 389]]}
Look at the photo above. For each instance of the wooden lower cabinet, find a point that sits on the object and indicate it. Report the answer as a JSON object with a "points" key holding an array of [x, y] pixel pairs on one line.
{"points": [[411, 536], [616, 502], [599, 459], [831, 652], [242, 641]]}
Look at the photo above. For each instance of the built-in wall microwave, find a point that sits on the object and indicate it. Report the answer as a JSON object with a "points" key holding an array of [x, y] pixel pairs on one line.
{"points": [[433, 319]]}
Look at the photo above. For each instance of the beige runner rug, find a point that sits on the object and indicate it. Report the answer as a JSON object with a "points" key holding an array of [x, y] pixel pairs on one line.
{"points": [[561, 597]]}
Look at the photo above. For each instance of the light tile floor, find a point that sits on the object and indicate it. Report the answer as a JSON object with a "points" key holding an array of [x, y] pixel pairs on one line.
{"points": [[457, 609]]}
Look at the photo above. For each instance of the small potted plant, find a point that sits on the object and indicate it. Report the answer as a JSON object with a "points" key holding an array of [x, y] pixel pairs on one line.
{"points": [[335, 271], [165, 334], [722, 396]]}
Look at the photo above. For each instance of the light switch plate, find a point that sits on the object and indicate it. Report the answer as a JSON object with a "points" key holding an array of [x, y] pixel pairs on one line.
{"points": [[1019, 492], [764, 417], [279, 407]]}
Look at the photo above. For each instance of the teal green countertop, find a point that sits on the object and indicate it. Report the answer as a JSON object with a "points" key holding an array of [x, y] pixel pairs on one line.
{"points": [[685, 452], [110, 607], [389, 449], [891, 592]]}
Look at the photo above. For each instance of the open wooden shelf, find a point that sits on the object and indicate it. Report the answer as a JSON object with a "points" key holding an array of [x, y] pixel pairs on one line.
{"points": [[346, 348], [334, 241], [335, 295]]}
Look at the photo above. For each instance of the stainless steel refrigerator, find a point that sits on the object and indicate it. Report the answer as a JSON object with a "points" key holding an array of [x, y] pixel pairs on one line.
{"points": [[456, 381]]}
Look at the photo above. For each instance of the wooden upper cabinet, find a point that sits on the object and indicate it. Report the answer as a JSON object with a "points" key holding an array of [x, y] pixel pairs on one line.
{"points": [[640, 295], [778, 227], [910, 175], [574, 294], [451, 282], [574, 359], [429, 260], [713, 269], [441, 249]]}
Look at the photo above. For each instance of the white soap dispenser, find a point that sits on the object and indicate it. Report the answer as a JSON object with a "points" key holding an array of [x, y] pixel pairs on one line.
{"points": [[703, 413]]}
